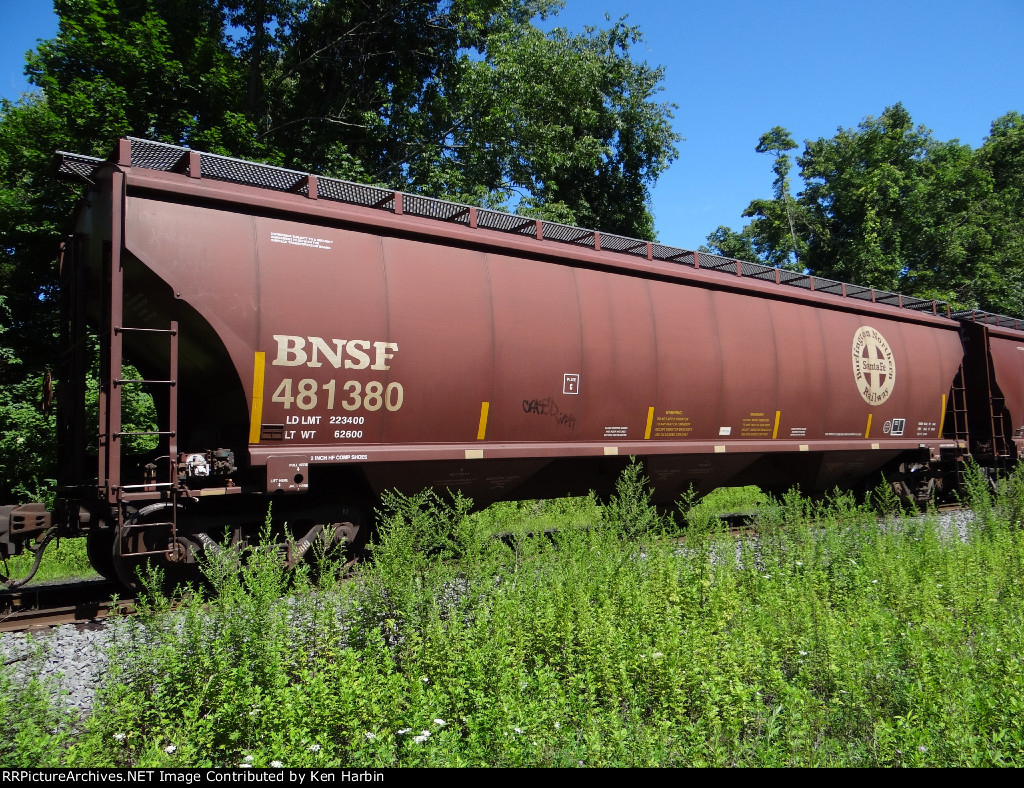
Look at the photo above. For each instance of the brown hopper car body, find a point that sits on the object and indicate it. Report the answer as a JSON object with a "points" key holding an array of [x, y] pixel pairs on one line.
{"points": [[318, 342]]}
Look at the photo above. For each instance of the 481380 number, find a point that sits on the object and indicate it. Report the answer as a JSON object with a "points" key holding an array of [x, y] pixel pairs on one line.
{"points": [[354, 395]]}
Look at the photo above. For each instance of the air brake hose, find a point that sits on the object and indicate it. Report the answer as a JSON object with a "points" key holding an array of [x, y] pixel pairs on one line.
{"points": [[38, 550]]}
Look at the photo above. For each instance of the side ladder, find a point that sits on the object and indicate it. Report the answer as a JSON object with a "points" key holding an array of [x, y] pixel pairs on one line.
{"points": [[1000, 444], [1001, 455], [961, 433], [132, 529], [168, 490]]}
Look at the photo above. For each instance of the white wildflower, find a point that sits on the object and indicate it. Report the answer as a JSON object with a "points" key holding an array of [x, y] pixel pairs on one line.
{"points": [[657, 655], [874, 581], [169, 749], [119, 737], [767, 577], [314, 748], [245, 766], [799, 563], [439, 721], [247, 759], [424, 679], [802, 653], [518, 730], [370, 735], [404, 731], [276, 764], [558, 725], [922, 748], [422, 737]]}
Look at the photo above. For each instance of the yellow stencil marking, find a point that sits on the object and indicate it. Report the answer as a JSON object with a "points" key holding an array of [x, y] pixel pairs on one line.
{"points": [[482, 429], [256, 419], [805, 447], [611, 450], [942, 416], [474, 454], [867, 431], [719, 449], [650, 421], [775, 432]]}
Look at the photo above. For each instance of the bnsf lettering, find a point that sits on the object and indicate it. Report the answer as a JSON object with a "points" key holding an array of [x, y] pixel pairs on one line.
{"points": [[293, 351]]}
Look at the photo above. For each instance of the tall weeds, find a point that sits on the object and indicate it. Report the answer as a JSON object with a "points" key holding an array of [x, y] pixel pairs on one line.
{"points": [[825, 640]]}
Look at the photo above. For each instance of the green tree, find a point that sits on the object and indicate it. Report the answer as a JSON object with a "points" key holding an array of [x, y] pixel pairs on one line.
{"points": [[887, 205], [999, 247], [729, 243], [858, 184], [468, 100], [162, 69], [568, 122], [774, 225]]}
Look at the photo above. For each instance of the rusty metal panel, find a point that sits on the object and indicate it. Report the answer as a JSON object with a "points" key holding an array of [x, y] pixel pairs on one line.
{"points": [[439, 314], [619, 372], [688, 398], [537, 350], [799, 351]]}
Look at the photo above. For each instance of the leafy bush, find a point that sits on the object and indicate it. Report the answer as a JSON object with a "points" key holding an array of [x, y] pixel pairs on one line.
{"points": [[629, 508]]}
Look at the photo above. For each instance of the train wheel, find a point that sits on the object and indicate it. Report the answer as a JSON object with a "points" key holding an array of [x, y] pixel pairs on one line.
{"points": [[916, 486], [355, 528], [99, 546], [349, 533]]}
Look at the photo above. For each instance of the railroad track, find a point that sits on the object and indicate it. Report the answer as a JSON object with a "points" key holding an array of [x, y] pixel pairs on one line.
{"points": [[48, 605]]}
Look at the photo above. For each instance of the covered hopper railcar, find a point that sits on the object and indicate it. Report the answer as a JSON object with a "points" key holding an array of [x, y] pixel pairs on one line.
{"points": [[316, 342]]}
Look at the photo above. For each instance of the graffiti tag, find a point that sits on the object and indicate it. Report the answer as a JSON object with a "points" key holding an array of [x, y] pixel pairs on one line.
{"points": [[548, 407]]}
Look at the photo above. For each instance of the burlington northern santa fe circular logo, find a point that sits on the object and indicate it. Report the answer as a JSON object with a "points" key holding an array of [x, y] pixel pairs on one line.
{"points": [[874, 368]]}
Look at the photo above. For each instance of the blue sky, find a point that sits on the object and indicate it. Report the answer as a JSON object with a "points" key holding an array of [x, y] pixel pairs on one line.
{"points": [[736, 68]]}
